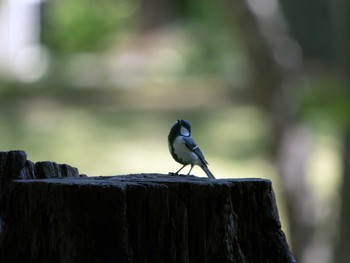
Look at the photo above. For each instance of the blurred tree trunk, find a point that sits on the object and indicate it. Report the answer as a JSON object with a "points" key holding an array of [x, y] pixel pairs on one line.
{"points": [[342, 47], [277, 64], [154, 14], [342, 249]]}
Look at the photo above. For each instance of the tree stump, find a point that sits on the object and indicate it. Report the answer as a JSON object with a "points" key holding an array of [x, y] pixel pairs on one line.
{"points": [[66, 217]]}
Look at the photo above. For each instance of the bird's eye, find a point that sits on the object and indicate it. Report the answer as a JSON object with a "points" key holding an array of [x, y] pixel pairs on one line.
{"points": [[184, 131]]}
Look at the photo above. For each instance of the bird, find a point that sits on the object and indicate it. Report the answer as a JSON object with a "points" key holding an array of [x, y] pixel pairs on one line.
{"points": [[184, 149]]}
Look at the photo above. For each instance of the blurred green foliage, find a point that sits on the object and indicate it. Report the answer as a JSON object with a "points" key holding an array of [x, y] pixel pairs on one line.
{"points": [[71, 27], [324, 101], [84, 25], [220, 46]]}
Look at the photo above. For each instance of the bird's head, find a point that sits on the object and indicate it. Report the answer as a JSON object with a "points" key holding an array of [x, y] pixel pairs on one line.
{"points": [[184, 127]]}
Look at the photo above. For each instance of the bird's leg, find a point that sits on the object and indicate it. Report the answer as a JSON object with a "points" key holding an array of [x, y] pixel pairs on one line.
{"points": [[190, 169], [180, 169]]}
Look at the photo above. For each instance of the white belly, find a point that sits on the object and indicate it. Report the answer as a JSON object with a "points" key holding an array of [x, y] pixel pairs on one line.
{"points": [[184, 153]]}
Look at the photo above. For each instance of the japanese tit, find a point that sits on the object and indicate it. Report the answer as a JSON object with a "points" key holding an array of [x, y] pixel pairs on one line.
{"points": [[184, 149]]}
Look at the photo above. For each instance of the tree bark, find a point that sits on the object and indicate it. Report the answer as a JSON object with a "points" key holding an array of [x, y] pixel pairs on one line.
{"points": [[14, 165], [141, 218]]}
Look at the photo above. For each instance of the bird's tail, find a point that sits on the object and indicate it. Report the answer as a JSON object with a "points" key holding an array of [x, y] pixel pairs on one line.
{"points": [[207, 171]]}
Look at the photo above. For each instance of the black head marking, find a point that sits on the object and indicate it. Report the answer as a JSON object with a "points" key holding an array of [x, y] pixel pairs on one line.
{"points": [[185, 123]]}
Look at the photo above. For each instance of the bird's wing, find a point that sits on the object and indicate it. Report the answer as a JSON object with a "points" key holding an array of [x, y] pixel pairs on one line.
{"points": [[191, 144]]}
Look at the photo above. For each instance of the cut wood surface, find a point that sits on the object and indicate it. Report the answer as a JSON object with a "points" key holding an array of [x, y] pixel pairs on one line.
{"points": [[134, 218]]}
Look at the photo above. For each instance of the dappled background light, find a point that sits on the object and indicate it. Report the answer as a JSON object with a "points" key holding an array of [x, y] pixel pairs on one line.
{"points": [[99, 86]]}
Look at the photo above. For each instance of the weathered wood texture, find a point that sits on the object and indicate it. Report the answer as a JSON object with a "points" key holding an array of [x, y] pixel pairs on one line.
{"points": [[14, 165], [136, 218]]}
